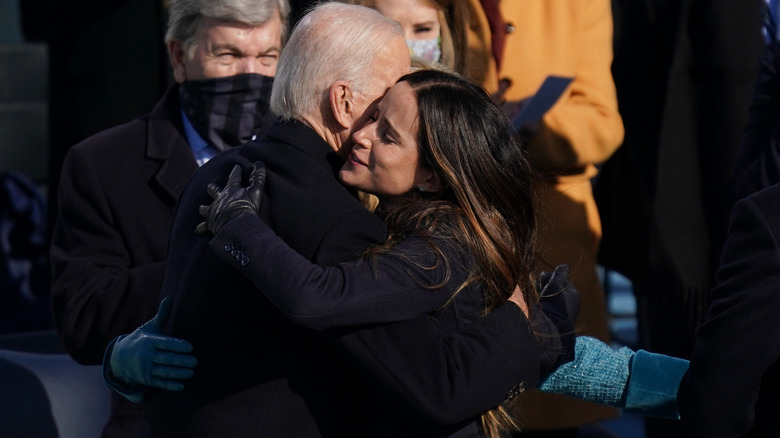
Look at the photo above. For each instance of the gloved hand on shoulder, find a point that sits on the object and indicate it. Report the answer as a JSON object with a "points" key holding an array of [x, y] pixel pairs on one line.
{"points": [[234, 200], [146, 358]]}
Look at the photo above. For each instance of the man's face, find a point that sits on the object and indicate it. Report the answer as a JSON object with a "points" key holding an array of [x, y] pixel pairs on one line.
{"points": [[392, 63], [228, 49]]}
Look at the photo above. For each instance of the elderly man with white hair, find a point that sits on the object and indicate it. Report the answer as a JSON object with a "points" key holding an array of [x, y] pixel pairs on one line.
{"points": [[257, 373]]}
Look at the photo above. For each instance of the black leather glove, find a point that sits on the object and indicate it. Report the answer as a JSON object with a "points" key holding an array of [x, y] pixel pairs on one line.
{"points": [[234, 200], [560, 302], [556, 291]]}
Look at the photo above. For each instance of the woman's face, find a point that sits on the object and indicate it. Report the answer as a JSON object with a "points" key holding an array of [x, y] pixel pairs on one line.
{"points": [[385, 158], [418, 18]]}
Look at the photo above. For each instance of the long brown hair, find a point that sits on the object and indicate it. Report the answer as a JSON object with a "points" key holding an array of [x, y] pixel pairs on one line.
{"points": [[487, 197]]}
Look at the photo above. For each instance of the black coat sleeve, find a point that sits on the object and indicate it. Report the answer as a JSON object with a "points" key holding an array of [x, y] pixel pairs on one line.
{"points": [[757, 165], [442, 377], [740, 338], [407, 282]]}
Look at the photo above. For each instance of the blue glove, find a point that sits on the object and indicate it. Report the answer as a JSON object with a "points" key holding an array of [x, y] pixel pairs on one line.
{"points": [[597, 374], [145, 358]]}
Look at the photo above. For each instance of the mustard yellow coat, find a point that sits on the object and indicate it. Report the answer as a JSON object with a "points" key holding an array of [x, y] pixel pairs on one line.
{"points": [[567, 38], [574, 39]]}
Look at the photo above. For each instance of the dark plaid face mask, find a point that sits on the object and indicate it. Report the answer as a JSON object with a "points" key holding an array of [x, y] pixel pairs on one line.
{"points": [[228, 111]]}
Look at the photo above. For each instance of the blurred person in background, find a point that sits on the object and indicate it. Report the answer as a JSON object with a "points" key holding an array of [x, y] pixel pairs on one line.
{"points": [[685, 72]]}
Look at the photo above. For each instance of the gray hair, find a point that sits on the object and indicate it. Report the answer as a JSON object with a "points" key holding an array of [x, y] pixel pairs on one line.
{"points": [[334, 41], [185, 16]]}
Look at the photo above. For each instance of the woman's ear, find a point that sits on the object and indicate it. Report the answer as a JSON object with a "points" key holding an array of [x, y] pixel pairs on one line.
{"points": [[430, 183], [341, 97]]}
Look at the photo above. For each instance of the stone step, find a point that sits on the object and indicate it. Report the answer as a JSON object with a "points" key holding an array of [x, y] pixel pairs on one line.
{"points": [[24, 139], [24, 70]]}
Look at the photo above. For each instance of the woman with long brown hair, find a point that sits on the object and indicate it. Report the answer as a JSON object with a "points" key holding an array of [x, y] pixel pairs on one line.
{"points": [[457, 195]]}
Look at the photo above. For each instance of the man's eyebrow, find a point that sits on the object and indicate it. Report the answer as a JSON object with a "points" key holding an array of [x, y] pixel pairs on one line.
{"points": [[234, 48], [274, 48], [229, 46]]}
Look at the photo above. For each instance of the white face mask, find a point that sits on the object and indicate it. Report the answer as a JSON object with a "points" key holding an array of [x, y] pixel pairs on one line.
{"points": [[427, 50]]}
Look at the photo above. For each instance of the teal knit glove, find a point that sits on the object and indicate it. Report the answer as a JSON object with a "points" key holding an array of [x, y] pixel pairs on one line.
{"points": [[598, 373]]}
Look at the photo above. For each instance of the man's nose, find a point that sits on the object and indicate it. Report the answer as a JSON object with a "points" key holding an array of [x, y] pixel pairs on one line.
{"points": [[255, 65], [248, 65]]}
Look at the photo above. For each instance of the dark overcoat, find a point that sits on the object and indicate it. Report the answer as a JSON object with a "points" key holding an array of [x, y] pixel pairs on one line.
{"points": [[116, 201], [260, 375], [732, 385]]}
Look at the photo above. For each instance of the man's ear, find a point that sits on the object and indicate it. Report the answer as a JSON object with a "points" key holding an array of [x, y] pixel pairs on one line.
{"points": [[176, 55], [341, 97]]}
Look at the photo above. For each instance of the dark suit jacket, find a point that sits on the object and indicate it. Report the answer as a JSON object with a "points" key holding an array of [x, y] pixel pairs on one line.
{"points": [[757, 165], [117, 197], [116, 201], [733, 385], [260, 375]]}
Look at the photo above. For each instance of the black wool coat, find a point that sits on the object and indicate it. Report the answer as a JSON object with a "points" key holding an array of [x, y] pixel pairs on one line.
{"points": [[260, 375], [117, 196]]}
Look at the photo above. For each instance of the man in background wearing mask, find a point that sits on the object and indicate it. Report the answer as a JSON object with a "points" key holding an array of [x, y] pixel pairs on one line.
{"points": [[119, 188]]}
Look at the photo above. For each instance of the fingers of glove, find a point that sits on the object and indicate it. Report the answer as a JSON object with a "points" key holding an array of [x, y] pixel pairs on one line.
{"points": [[234, 180], [259, 165], [203, 210], [155, 324], [560, 275], [170, 344], [213, 190], [171, 372], [169, 385], [542, 282], [556, 282], [256, 183], [202, 228], [172, 359]]}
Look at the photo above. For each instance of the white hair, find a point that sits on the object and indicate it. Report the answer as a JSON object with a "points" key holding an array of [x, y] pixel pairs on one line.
{"points": [[186, 16], [334, 41]]}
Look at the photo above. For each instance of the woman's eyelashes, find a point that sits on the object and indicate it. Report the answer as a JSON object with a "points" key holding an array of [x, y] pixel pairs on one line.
{"points": [[422, 30]]}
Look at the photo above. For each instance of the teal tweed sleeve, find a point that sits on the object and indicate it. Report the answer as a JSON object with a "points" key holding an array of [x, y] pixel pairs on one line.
{"points": [[638, 382], [598, 373]]}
